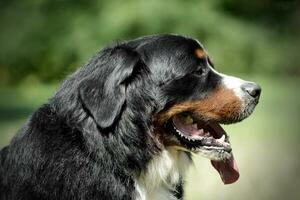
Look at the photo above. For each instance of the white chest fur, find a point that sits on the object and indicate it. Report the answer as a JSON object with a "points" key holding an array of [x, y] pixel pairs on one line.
{"points": [[162, 175]]}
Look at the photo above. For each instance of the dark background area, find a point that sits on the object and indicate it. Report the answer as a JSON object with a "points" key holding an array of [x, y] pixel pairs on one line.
{"points": [[41, 42]]}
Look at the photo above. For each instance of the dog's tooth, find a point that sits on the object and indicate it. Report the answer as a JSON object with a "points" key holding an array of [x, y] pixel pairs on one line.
{"points": [[179, 133], [222, 139]]}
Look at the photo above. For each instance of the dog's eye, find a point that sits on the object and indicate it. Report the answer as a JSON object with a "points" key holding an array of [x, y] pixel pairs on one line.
{"points": [[199, 72]]}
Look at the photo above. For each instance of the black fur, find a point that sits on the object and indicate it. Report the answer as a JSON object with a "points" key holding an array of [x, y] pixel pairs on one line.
{"points": [[178, 192], [95, 135]]}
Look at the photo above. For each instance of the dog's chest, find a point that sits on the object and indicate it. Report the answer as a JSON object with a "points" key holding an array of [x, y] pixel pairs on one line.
{"points": [[162, 175]]}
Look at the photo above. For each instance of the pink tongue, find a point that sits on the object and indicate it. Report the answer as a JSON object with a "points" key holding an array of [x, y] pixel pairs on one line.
{"points": [[228, 170]]}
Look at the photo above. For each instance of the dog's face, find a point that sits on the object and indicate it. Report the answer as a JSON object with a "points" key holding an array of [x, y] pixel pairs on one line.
{"points": [[196, 100], [172, 79]]}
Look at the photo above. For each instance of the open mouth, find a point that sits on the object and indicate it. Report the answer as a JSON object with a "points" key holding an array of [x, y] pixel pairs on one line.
{"points": [[207, 138]]}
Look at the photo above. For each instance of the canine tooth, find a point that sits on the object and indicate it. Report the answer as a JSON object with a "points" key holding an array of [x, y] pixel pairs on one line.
{"points": [[222, 139]]}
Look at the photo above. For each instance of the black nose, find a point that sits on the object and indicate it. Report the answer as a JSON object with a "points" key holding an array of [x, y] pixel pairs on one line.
{"points": [[252, 89]]}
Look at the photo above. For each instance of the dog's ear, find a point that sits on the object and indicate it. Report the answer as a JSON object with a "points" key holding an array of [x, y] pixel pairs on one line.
{"points": [[103, 93]]}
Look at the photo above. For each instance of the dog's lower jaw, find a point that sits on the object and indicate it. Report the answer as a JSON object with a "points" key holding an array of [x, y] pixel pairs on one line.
{"points": [[163, 174]]}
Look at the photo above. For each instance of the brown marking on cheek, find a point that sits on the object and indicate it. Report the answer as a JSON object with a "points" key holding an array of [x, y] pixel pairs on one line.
{"points": [[200, 53], [220, 105]]}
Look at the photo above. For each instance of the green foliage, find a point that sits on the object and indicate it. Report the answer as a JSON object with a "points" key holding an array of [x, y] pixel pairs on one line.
{"points": [[49, 38]]}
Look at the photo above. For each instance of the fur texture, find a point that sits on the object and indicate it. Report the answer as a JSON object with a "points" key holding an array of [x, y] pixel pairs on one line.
{"points": [[97, 138]]}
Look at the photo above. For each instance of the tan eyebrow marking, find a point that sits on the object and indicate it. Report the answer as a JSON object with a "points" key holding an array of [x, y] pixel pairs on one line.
{"points": [[200, 53]]}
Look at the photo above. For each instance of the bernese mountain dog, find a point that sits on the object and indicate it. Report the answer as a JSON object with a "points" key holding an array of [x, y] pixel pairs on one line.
{"points": [[125, 125]]}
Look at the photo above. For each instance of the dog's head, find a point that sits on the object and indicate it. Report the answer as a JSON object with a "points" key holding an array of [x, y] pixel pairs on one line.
{"points": [[197, 100], [169, 83]]}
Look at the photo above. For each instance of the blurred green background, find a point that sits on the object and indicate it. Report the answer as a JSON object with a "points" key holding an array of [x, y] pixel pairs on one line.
{"points": [[41, 42]]}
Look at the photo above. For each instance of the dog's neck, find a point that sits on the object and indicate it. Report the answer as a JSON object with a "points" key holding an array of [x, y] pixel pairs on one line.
{"points": [[163, 174]]}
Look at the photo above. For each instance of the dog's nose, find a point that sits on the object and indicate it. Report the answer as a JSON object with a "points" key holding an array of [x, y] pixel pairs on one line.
{"points": [[252, 89]]}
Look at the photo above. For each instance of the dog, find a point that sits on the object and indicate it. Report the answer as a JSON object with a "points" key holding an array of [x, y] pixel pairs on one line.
{"points": [[125, 125]]}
